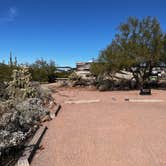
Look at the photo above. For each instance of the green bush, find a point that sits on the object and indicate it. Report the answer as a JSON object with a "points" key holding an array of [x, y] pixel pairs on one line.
{"points": [[6, 72], [43, 71]]}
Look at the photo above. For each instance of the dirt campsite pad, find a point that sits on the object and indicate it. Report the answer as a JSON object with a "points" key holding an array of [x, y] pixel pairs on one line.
{"points": [[111, 132]]}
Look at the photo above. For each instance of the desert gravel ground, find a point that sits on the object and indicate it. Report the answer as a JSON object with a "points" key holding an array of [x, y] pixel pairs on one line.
{"points": [[111, 132]]}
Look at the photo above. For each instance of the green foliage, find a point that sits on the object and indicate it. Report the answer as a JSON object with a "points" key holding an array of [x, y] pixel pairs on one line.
{"points": [[97, 68], [5, 72], [42, 71], [141, 42], [64, 74], [138, 47], [6, 69], [109, 62]]}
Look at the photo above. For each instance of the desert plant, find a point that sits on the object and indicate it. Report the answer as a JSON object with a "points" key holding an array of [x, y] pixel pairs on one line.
{"points": [[20, 87], [43, 71], [74, 77]]}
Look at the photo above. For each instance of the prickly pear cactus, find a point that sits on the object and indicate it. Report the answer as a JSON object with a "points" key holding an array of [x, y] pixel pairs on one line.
{"points": [[20, 86]]}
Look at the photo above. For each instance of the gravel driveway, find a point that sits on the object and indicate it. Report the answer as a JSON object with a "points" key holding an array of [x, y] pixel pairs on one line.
{"points": [[111, 132]]}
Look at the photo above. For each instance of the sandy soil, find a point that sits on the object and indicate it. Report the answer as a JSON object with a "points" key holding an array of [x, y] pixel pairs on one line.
{"points": [[112, 132]]}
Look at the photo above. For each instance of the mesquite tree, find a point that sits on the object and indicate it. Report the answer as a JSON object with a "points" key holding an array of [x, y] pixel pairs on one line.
{"points": [[138, 46]]}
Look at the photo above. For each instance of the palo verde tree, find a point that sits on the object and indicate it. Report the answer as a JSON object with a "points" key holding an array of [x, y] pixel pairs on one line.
{"points": [[141, 42], [109, 62], [138, 47]]}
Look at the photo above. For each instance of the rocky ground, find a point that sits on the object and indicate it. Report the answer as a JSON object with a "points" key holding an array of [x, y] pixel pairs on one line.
{"points": [[109, 132], [24, 105]]}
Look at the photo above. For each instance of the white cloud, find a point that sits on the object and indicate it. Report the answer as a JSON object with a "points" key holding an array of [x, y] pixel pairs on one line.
{"points": [[12, 12], [10, 15]]}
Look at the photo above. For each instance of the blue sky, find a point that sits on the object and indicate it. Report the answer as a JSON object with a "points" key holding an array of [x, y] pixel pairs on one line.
{"points": [[66, 31]]}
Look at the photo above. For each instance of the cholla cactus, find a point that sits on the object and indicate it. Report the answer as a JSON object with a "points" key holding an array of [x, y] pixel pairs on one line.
{"points": [[20, 87]]}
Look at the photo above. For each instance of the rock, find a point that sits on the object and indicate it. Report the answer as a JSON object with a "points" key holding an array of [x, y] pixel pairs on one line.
{"points": [[45, 118], [5, 119], [9, 121], [8, 138], [52, 104], [31, 110], [16, 123]]}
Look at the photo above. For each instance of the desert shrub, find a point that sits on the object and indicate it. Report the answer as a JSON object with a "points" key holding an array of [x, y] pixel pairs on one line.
{"points": [[105, 85], [43, 71], [74, 76], [64, 74], [5, 72], [23, 109]]}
